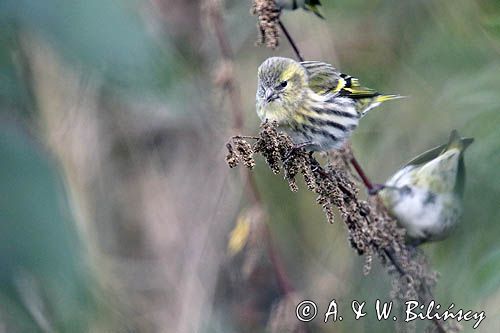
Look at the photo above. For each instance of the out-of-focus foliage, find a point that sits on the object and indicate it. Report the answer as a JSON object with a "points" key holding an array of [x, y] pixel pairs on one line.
{"points": [[44, 278], [107, 37], [105, 90]]}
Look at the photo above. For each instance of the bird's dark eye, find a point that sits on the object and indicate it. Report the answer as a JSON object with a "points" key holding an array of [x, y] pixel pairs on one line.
{"points": [[406, 190], [282, 84]]}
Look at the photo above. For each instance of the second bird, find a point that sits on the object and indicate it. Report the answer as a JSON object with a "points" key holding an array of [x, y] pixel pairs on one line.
{"points": [[426, 194], [315, 104]]}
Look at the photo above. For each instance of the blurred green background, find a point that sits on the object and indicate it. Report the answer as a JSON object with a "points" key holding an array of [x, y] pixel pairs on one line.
{"points": [[116, 203]]}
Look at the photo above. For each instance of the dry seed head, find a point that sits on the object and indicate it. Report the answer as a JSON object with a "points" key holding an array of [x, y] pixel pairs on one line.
{"points": [[268, 14], [371, 231], [239, 151]]}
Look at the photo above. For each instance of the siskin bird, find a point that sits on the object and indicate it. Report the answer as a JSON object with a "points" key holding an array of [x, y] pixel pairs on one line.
{"points": [[315, 104], [309, 5], [425, 195]]}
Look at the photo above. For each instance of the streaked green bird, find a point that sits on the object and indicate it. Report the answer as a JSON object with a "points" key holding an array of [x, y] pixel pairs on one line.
{"points": [[318, 106], [309, 5], [426, 194]]}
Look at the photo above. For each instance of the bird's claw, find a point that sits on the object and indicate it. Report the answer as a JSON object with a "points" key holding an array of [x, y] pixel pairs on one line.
{"points": [[375, 189], [289, 154], [294, 149]]}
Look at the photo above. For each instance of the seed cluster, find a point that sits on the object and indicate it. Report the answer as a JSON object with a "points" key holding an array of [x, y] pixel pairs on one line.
{"points": [[371, 230], [267, 13], [240, 151]]}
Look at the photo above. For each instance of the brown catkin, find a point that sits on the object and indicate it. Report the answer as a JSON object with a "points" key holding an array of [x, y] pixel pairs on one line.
{"points": [[268, 14], [239, 151]]}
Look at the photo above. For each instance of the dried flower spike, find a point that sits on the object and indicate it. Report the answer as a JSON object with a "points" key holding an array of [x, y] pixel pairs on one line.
{"points": [[268, 14], [371, 231]]}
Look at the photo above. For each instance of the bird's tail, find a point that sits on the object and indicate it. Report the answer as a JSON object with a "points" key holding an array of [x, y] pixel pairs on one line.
{"points": [[383, 98], [375, 101], [313, 6], [457, 142]]}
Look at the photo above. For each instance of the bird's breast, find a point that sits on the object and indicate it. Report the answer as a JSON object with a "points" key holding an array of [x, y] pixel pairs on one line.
{"points": [[273, 111], [427, 215]]}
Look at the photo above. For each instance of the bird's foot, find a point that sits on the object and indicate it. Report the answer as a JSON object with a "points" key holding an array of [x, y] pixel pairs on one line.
{"points": [[316, 167], [294, 149], [376, 188]]}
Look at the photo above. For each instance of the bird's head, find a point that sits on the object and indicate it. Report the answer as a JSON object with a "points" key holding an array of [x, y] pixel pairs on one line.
{"points": [[281, 87]]}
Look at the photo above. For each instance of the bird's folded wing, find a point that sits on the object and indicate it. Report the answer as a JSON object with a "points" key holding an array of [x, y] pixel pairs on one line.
{"points": [[323, 78], [433, 153], [427, 156]]}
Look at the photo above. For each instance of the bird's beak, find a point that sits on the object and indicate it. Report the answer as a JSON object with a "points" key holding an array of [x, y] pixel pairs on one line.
{"points": [[270, 96]]}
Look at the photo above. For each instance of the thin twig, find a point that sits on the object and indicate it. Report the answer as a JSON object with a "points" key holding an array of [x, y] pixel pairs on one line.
{"points": [[226, 54], [394, 262], [246, 137], [361, 173], [290, 39]]}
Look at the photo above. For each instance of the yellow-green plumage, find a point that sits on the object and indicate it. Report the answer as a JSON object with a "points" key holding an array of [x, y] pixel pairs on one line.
{"points": [[309, 5], [312, 101], [425, 195]]}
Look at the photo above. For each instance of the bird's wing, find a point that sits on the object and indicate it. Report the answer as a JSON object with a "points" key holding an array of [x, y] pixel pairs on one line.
{"points": [[354, 90], [323, 78], [313, 5], [427, 156], [435, 152]]}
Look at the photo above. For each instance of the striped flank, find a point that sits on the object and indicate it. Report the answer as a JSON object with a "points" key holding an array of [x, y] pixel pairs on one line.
{"points": [[327, 124]]}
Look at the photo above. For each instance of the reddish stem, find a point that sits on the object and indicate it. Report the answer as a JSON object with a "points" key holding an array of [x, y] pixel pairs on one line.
{"points": [[361, 173]]}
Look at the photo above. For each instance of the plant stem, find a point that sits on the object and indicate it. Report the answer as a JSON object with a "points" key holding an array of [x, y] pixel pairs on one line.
{"points": [[290, 39], [361, 173]]}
